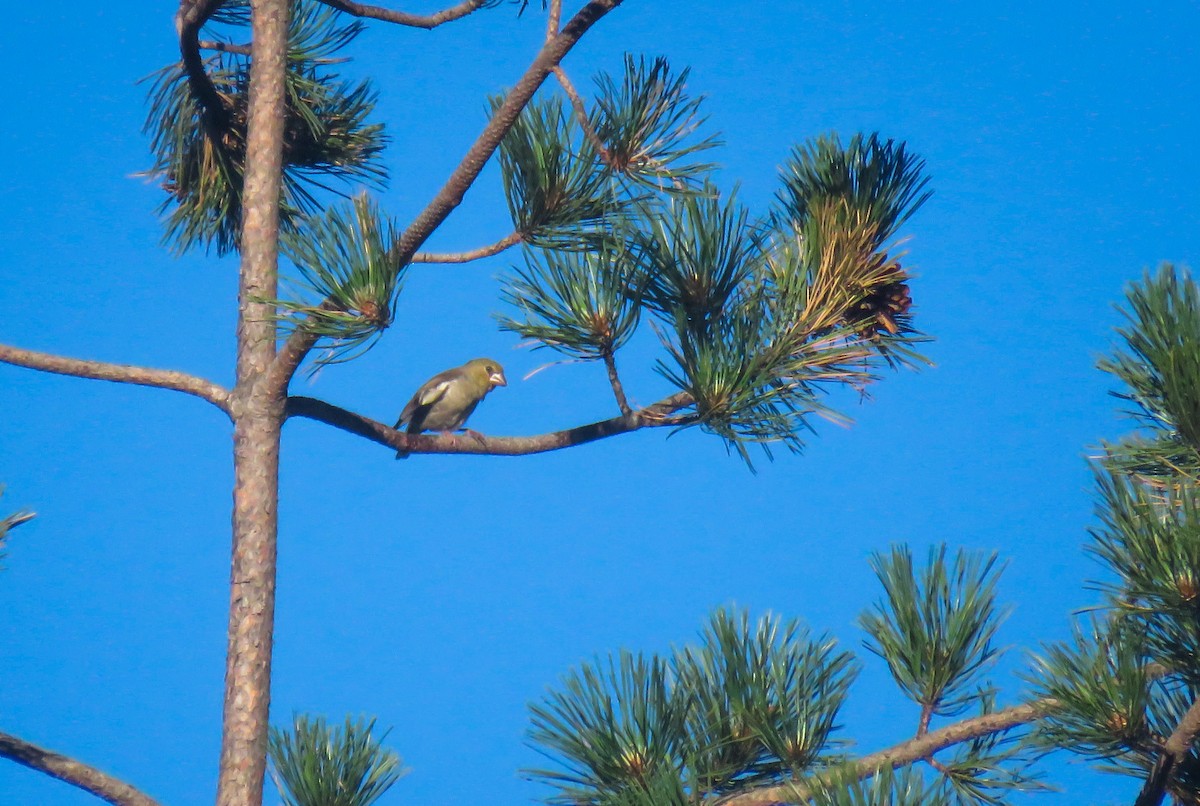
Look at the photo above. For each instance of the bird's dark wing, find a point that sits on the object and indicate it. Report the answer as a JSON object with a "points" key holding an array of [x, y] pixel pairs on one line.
{"points": [[430, 392]]}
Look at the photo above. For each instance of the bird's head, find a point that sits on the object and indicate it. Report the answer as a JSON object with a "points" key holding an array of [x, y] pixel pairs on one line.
{"points": [[490, 369]]}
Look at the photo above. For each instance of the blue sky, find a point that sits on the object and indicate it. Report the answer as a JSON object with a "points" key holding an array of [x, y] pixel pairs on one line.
{"points": [[442, 594]]}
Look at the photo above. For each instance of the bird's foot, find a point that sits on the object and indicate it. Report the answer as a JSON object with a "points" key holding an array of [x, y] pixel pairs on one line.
{"points": [[475, 435]]}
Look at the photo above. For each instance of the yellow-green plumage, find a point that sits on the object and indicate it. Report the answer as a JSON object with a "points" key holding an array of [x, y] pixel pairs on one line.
{"points": [[445, 401]]}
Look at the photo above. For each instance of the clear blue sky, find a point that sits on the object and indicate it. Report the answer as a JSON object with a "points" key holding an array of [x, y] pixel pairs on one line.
{"points": [[443, 594]]}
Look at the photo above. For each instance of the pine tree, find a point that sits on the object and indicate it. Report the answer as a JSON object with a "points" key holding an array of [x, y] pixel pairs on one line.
{"points": [[619, 222], [748, 715]]}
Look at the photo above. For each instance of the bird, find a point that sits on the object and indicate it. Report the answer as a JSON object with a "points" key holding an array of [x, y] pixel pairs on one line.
{"points": [[445, 401]]}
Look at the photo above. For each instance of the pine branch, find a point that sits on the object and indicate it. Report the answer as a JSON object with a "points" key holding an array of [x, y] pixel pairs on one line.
{"points": [[1175, 751], [505, 116], [426, 21], [224, 47], [581, 115], [897, 756], [73, 772], [118, 373], [610, 364], [479, 444], [191, 17], [451, 195], [512, 239]]}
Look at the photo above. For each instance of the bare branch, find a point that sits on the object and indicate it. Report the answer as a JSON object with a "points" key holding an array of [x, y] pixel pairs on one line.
{"points": [[118, 373], [553, 19], [923, 722], [908, 752], [582, 116], [189, 20], [610, 364], [224, 47], [479, 444], [1174, 751], [451, 195], [426, 21], [466, 257], [73, 772]]}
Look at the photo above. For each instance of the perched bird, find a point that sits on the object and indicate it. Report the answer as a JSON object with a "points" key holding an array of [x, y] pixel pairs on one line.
{"points": [[445, 401]]}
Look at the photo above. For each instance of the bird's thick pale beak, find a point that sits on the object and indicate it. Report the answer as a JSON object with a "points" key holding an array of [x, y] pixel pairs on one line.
{"points": [[497, 379]]}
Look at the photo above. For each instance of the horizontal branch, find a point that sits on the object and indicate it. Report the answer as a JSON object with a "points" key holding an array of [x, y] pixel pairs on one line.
{"points": [[224, 47], [479, 444], [496, 248], [73, 772], [118, 373], [426, 21], [900, 755]]}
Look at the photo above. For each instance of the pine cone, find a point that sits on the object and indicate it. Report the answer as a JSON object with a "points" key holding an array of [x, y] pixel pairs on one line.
{"points": [[879, 309]]}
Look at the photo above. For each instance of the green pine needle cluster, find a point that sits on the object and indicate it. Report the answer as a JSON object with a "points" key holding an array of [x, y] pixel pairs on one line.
{"points": [[1126, 679], [749, 703], [650, 126], [756, 703], [758, 318], [314, 764], [935, 629], [905, 787], [557, 194], [1160, 368], [9, 522], [583, 304], [349, 282], [197, 126]]}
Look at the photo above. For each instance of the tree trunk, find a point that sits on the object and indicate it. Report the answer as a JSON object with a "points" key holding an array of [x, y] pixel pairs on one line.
{"points": [[258, 418]]}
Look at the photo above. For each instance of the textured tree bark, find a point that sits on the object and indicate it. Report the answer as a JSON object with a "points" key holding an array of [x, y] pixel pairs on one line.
{"points": [[258, 419], [73, 772], [908, 752]]}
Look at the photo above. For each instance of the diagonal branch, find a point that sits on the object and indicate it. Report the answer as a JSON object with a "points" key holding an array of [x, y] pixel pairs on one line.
{"points": [[908, 752], [512, 239], [118, 373], [451, 195], [1174, 751], [479, 444], [426, 21], [73, 772], [581, 115]]}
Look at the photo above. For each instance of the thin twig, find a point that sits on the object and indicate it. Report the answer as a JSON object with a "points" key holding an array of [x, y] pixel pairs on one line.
{"points": [[118, 373], [582, 116], [553, 18], [897, 756], [426, 21], [73, 772], [1174, 751], [224, 47], [479, 444], [610, 364], [451, 195], [923, 722], [466, 257]]}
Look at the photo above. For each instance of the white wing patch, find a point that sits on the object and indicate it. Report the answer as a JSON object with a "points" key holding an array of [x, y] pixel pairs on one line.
{"points": [[433, 394]]}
